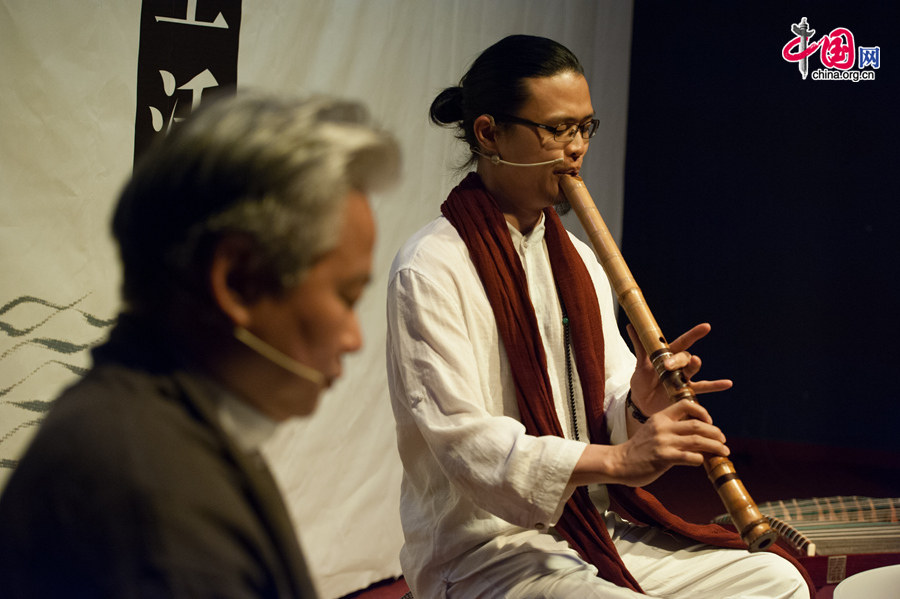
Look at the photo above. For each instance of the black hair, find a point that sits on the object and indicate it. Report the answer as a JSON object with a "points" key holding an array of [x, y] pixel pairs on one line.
{"points": [[494, 83]]}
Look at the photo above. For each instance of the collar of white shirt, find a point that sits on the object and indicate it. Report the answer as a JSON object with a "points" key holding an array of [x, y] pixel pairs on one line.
{"points": [[536, 234], [246, 425]]}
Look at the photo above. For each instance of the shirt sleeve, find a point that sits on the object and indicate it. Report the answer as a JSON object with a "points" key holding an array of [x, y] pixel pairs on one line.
{"points": [[440, 369]]}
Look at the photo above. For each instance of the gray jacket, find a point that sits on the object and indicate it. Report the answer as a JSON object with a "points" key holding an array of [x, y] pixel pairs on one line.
{"points": [[131, 489]]}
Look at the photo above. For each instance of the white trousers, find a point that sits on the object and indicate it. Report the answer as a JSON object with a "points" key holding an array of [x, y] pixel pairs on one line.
{"points": [[665, 565]]}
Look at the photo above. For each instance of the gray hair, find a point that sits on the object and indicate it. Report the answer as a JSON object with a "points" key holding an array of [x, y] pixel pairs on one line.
{"points": [[275, 171]]}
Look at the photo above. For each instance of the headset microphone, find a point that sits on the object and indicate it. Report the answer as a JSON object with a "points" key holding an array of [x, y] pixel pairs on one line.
{"points": [[495, 159], [278, 357]]}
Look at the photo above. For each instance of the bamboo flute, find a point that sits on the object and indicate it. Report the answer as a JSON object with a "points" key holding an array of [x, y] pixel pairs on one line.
{"points": [[752, 526]]}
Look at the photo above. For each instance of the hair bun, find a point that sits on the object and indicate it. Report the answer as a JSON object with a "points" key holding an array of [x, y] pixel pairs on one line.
{"points": [[447, 107]]}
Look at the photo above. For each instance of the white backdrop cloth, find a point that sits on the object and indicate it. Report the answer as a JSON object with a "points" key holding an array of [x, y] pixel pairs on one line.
{"points": [[67, 109]]}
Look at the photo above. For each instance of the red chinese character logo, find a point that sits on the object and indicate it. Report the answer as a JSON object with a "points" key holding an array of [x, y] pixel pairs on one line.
{"points": [[836, 50]]}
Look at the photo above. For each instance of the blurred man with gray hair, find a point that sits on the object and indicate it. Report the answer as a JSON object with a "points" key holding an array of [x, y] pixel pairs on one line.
{"points": [[246, 240]]}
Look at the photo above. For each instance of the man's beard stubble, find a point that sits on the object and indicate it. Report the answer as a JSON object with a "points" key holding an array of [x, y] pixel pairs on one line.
{"points": [[562, 207]]}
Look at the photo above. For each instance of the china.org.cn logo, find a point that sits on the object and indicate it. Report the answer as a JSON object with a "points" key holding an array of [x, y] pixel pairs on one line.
{"points": [[838, 54]]}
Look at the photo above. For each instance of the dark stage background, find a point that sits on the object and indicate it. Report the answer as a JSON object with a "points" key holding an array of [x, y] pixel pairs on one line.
{"points": [[766, 205]]}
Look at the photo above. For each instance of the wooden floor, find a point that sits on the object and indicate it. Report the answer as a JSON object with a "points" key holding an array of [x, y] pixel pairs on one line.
{"points": [[771, 471]]}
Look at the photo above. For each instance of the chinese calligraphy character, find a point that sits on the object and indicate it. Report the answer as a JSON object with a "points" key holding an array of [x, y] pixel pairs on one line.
{"points": [[197, 84], [191, 18]]}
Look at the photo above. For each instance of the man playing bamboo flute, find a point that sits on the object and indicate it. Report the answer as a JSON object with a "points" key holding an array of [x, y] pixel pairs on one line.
{"points": [[519, 408]]}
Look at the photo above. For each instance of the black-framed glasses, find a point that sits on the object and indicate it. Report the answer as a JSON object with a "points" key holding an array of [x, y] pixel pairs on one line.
{"points": [[564, 132]]}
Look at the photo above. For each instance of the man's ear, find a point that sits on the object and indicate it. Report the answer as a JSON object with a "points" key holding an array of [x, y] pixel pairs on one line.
{"points": [[485, 130], [227, 269]]}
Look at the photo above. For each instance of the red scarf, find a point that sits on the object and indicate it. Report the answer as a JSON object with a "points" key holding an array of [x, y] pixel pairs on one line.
{"points": [[474, 214]]}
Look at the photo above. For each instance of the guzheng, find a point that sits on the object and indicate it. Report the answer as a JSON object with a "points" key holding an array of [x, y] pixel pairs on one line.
{"points": [[836, 537]]}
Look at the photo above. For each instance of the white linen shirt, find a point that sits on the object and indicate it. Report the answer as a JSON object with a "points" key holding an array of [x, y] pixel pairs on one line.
{"points": [[476, 488]]}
